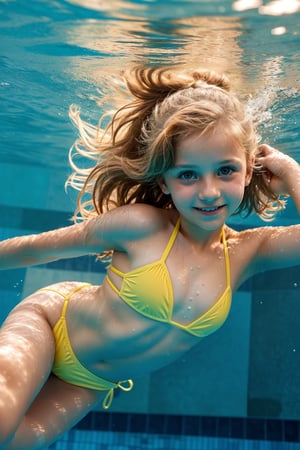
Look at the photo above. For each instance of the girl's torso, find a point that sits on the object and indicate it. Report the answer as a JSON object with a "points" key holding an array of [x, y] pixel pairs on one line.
{"points": [[115, 341]]}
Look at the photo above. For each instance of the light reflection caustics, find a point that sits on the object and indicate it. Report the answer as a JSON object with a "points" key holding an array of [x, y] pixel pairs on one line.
{"points": [[273, 8], [120, 7], [258, 51]]}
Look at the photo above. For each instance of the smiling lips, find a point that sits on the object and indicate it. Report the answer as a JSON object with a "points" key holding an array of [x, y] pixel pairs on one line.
{"points": [[209, 211]]}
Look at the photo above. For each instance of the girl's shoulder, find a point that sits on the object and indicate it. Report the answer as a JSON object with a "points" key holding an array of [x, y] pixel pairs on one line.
{"points": [[119, 228], [244, 250], [131, 222], [263, 248], [249, 243], [248, 236], [140, 215]]}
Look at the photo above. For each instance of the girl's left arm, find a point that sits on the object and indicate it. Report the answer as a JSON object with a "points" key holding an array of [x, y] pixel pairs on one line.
{"points": [[281, 171], [279, 247]]}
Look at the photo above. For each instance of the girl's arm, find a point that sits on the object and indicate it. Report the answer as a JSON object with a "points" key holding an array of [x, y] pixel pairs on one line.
{"points": [[109, 231], [279, 247], [44, 247], [282, 172]]}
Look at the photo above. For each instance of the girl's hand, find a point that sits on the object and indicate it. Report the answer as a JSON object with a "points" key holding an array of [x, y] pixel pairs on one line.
{"points": [[280, 171]]}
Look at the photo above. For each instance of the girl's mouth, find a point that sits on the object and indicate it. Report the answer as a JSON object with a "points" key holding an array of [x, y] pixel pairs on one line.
{"points": [[210, 211]]}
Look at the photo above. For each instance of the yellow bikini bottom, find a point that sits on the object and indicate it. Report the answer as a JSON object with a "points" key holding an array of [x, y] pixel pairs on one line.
{"points": [[68, 368]]}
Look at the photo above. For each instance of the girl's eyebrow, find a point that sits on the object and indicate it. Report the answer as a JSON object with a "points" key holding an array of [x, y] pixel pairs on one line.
{"points": [[230, 161], [183, 166], [225, 161]]}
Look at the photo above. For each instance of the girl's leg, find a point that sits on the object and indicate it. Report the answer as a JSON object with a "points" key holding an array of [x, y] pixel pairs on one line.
{"points": [[35, 406], [57, 408], [26, 358]]}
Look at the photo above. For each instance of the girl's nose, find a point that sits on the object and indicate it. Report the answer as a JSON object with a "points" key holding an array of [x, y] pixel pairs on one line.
{"points": [[209, 189]]}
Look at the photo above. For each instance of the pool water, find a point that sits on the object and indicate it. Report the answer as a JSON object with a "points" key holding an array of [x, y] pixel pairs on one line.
{"points": [[55, 53]]}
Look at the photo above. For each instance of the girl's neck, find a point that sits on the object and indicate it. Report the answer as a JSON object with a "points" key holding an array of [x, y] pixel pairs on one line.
{"points": [[200, 236]]}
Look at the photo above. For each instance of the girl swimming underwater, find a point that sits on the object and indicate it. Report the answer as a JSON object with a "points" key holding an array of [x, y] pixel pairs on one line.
{"points": [[171, 166]]}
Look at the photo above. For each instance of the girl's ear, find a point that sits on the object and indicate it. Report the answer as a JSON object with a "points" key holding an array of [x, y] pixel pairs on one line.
{"points": [[163, 187]]}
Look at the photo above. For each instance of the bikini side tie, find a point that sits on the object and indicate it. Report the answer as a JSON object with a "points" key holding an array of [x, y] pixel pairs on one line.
{"points": [[110, 395]]}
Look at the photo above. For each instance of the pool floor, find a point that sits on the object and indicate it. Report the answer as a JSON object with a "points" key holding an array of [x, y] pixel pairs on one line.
{"points": [[95, 440]]}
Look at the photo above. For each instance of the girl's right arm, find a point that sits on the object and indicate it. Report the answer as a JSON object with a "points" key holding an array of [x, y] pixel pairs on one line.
{"points": [[109, 231], [44, 247]]}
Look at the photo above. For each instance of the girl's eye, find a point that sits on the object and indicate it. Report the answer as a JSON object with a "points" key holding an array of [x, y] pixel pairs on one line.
{"points": [[225, 171], [187, 175]]}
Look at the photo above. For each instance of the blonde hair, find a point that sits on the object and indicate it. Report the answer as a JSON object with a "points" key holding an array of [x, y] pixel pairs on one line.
{"points": [[137, 145]]}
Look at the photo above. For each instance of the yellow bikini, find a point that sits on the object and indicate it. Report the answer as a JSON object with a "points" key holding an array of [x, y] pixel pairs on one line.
{"points": [[148, 290], [66, 365]]}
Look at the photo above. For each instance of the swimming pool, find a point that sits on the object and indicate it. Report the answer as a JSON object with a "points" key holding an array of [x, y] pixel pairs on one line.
{"points": [[53, 53]]}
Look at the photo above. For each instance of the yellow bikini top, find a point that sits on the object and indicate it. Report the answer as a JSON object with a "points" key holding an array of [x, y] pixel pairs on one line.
{"points": [[148, 290]]}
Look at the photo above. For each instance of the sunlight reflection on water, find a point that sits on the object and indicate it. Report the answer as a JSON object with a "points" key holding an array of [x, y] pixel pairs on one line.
{"points": [[56, 53]]}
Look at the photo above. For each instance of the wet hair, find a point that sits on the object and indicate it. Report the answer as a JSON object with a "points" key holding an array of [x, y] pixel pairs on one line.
{"points": [[135, 144]]}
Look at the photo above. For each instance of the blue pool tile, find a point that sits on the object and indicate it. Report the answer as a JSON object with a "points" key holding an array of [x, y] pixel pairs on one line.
{"points": [[274, 430], [191, 425], [291, 431], [43, 220], [87, 423], [209, 426], [224, 427], [256, 429], [157, 423], [119, 422], [10, 217], [102, 421], [238, 428], [84, 440], [174, 424], [138, 423]]}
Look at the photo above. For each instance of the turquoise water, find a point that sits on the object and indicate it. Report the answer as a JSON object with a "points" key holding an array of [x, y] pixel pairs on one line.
{"points": [[54, 53]]}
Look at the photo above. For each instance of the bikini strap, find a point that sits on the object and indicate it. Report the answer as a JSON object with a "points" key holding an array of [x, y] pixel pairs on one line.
{"points": [[163, 257], [65, 296], [116, 270], [226, 256], [107, 278], [70, 294], [171, 241]]}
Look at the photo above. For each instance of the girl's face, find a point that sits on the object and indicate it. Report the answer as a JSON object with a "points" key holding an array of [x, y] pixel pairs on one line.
{"points": [[207, 180]]}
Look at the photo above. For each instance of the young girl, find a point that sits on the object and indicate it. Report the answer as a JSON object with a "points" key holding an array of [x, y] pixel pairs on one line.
{"points": [[173, 164]]}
